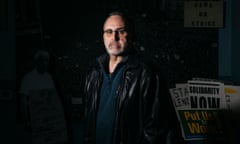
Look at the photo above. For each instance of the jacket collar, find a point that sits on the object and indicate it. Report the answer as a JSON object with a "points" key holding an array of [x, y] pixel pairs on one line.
{"points": [[132, 60]]}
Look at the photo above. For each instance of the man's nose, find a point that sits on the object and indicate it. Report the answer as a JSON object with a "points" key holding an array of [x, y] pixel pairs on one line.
{"points": [[116, 36]]}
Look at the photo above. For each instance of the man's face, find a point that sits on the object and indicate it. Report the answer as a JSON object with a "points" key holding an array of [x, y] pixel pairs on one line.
{"points": [[115, 35], [42, 63]]}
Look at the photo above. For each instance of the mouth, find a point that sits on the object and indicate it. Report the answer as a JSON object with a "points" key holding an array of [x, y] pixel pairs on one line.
{"points": [[114, 45]]}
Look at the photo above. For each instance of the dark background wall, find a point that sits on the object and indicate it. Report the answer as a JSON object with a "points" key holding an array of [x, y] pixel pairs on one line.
{"points": [[7, 73]]}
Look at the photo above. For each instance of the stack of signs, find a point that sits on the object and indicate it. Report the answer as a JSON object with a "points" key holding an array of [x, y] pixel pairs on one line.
{"points": [[200, 107]]}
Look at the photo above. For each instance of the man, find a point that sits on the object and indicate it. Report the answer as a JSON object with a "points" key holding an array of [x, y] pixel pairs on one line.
{"points": [[121, 93], [37, 79], [42, 108]]}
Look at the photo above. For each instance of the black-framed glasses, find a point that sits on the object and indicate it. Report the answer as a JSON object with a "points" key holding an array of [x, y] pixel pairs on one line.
{"points": [[120, 31]]}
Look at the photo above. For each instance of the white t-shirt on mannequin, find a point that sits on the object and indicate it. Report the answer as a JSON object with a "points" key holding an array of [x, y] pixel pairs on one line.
{"points": [[36, 81]]}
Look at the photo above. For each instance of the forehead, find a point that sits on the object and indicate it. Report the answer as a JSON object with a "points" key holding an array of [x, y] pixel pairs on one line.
{"points": [[114, 21]]}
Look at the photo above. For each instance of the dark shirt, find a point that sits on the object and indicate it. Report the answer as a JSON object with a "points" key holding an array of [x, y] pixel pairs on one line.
{"points": [[107, 106]]}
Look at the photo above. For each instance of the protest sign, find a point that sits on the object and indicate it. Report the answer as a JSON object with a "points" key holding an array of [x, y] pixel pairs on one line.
{"points": [[206, 94], [202, 124]]}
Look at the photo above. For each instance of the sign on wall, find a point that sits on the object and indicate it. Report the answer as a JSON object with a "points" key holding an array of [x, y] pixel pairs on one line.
{"points": [[203, 13]]}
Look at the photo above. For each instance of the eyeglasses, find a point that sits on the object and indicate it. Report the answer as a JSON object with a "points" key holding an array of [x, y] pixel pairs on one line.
{"points": [[120, 32]]}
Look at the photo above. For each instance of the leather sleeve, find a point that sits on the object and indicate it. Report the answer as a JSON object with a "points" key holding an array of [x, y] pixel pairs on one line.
{"points": [[155, 119]]}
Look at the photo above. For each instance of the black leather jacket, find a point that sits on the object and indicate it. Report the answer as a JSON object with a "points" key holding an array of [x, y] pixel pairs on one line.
{"points": [[138, 119]]}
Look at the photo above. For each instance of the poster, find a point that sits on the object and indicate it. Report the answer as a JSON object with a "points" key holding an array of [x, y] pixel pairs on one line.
{"points": [[232, 94], [202, 124], [206, 94]]}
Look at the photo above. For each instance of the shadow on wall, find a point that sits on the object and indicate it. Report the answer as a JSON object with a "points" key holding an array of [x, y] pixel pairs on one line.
{"points": [[8, 111]]}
